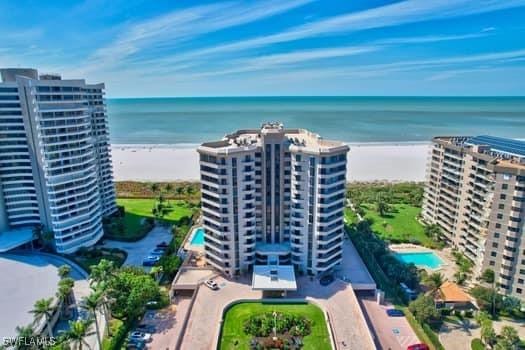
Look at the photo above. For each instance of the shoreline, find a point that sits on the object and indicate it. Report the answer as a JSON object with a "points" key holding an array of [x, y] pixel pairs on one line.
{"points": [[367, 162]]}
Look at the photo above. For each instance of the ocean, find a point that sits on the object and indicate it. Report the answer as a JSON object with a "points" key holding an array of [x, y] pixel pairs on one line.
{"points": [[351, 119]]}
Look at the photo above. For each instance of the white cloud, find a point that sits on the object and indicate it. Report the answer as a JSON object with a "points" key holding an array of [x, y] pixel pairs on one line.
{"points": [[410, 11], [182, 25]]}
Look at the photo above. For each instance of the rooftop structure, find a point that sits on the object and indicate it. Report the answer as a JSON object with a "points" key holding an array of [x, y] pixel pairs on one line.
{"points": [[55, 166]]}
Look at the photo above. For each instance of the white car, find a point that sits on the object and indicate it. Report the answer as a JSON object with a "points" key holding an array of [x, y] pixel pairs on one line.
{"points": [[211, 284], [140, 336]]}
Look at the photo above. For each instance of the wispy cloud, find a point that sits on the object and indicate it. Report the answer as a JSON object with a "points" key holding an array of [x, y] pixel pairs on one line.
{"points": [[182, 25], [405, 12], [290, 58], [430, 38]]}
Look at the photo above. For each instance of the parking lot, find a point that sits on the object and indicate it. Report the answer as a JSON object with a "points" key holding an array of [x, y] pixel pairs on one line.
{"points": [[137, 251]]}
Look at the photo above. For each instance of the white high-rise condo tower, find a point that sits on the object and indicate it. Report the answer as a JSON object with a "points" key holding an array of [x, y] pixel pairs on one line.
{"points": [[55, 165], [273, 197], [476, 193]]}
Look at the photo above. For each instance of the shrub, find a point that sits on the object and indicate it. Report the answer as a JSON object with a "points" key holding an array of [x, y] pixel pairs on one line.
{"points": [[262, 325], [477, 344]]}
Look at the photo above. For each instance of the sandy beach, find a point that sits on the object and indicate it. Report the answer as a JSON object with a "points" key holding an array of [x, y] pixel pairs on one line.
{"points": [[367, 162]]}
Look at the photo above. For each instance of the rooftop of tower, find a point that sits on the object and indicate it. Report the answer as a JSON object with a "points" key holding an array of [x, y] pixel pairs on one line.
{"points": [[505, 151], [300, 139]]}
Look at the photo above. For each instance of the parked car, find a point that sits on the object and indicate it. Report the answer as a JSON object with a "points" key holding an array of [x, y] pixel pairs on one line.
{"points": [[326, 280], [395, 313], [135, 345], [211, 284], [139, 336], [421, 346], [162, 245], [146, 328], [150, 260], [158, 252]]}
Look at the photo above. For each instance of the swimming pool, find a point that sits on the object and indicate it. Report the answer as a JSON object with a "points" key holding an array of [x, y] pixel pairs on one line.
{"points": [[421, 259], [197, 238]]}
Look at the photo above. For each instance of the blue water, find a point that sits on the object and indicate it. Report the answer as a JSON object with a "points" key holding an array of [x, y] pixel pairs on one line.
{"points": [[350, 119], [198, 237], [423, 259]]}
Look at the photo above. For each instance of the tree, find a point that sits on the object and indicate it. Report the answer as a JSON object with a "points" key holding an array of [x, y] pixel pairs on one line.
{"points": [[488, 335], [65, 287], [24, 333], [381, 205], [102, 272], [92, 303], [488, 276], [508, 338], [64, 271], [131, 288], [100, 276], [78, 331], [154, 187], [43, 310], [434, 281], [424, 308], [434, 231], [487, 299]]}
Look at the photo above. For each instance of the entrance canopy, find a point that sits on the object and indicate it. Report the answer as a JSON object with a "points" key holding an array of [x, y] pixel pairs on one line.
{"points": [[273, 278]]}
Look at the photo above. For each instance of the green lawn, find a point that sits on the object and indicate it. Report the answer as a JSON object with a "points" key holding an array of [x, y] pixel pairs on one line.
{"points": [[232, 329], [400, 224], [140, 208], [137, 210]]}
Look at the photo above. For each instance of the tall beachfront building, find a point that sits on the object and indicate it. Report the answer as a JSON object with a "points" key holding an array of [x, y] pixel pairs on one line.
{"points": [[55, 165], [476, 193], [273, 197]]}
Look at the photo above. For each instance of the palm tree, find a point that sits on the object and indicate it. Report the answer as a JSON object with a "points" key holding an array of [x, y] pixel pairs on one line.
{"points": [[381, 204], [168, 188], [65, 287], [102, 272], [78, 330], [92, 303], [434, 281], [24, 333], [43, 309], [64, 271], [99, 278]]}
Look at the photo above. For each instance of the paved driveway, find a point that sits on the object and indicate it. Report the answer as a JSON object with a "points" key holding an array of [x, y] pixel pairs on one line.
{"points": [[392, 333], [338, 299], [137, 251]]}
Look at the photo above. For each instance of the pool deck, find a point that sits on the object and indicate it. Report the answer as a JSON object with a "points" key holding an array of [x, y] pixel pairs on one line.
{"points": [[187, 242], [447, 267]]}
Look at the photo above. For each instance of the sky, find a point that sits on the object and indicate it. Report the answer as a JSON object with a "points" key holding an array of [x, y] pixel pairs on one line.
{"points": [[159, 48]]}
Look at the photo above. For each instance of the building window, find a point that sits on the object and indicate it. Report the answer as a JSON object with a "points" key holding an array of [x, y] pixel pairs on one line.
{"points": [[501, 206], [494, 245], [492, 263], [518, 290], [520, 280], [502, 196], [496, 235], [498, 225], [494, 254], [504, 186], [500, 216]]}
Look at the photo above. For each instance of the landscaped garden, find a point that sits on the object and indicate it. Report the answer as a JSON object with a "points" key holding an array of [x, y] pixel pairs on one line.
{"points": [[398, 224], [89, 257], [298, 326], [137, 217]]}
